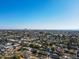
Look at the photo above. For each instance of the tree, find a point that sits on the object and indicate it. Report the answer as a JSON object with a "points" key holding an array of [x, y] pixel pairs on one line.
{"points": [[16, 57]]}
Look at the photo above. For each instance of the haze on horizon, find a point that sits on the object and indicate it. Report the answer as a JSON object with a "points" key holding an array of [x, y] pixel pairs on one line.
{"points": [[39, 14]]}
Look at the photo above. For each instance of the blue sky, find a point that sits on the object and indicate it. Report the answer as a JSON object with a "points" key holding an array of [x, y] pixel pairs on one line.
{"points": [[39, 14]]}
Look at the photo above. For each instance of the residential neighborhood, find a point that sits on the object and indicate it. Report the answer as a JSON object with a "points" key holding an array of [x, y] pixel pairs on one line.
{"points": [[39, 44]]}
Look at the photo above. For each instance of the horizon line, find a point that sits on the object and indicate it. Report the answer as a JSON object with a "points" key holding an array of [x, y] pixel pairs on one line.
{"points": [[37, 29]]}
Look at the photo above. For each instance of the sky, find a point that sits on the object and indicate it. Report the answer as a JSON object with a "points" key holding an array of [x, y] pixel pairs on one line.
{"points": [[39, 14]]}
